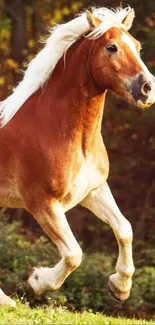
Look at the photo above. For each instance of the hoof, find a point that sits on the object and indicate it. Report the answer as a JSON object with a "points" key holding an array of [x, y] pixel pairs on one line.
{"points": [[121, 296], [5, 300]]}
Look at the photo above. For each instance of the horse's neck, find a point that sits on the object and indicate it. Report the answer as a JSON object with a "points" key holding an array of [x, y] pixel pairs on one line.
{"points": [[91, 121], [71, 100]]}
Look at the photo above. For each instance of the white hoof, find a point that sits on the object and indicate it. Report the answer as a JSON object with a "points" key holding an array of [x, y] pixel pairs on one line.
{"points": [[42, 279], [5, 300]]}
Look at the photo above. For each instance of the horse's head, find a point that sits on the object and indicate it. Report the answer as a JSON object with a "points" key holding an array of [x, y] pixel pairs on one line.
{"points": [[116, 62]]}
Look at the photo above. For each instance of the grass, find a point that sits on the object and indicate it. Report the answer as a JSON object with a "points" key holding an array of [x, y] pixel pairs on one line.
{"points": [[24, 315]]}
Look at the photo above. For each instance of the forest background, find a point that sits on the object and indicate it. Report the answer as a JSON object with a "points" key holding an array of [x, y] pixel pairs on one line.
{"points": [[129, 135]]}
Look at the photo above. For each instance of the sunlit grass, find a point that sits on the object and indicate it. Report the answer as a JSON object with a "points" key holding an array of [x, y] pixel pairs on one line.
{"points": [[23, 314]]}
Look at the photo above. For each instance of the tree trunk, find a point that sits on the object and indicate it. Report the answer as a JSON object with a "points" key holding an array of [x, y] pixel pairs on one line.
{"points": [[15, 10]]}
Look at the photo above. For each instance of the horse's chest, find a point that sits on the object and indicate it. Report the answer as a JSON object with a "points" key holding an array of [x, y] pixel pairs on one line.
{"points": [[89, 177]]}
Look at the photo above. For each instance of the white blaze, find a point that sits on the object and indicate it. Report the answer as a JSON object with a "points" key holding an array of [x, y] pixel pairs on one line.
{"points": [[128, 40]]}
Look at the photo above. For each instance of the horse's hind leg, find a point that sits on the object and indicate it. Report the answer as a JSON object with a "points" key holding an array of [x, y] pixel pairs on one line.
{"points": [[101, 202], [5, 300], [54, 223]]}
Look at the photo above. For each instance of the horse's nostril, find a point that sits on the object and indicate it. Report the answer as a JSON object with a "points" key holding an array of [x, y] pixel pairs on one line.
{"points": [[146, 88]]}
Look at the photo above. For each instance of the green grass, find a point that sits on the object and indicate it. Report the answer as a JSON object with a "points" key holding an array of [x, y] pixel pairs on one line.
{"points": [[24, 315]]}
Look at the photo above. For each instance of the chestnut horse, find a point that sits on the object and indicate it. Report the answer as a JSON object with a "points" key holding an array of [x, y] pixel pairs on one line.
{"points": [[52, 155]]}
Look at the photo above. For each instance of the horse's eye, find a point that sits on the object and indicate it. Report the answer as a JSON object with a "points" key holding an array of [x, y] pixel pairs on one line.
{"points": [[112, 48]]}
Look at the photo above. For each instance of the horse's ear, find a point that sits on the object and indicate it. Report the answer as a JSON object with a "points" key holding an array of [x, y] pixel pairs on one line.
{"points": [[128, 20], [92, 20]]}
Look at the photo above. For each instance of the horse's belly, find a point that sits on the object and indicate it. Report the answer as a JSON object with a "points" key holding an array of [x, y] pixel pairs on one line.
{"points": [[10, 197]]}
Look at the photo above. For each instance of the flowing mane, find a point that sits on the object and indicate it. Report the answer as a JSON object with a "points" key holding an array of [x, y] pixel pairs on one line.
{"points": [[61, 38]]}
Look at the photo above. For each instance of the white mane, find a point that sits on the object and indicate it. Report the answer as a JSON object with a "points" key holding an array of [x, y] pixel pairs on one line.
{"points": [[61, 38]]}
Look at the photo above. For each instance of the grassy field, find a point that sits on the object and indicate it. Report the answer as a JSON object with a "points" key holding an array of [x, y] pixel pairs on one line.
{"points": [[24, 315]]}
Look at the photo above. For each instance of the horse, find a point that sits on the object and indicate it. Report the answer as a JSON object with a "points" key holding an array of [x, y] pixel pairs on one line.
{"points": [[52, 155]]}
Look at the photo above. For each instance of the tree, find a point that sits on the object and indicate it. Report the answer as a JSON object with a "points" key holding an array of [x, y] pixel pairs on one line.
{"points": [[16, 11]]}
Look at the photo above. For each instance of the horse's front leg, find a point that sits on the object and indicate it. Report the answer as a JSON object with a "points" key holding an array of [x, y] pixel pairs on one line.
{"points": [[53, 221], [101, 202]]}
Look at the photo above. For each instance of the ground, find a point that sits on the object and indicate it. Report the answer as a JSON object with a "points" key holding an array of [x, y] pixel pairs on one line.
{"points": [[24, 315]]}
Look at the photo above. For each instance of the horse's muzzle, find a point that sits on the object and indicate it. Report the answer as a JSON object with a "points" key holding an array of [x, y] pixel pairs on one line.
{"points": [[143, 90]]}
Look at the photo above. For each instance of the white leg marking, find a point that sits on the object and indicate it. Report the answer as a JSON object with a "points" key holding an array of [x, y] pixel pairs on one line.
{"points": [[5, 300], [102, 204], [56, 226]]}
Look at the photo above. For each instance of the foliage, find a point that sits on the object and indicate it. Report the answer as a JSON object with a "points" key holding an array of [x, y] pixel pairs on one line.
{"points": [[52, 315], [85, 288]]}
